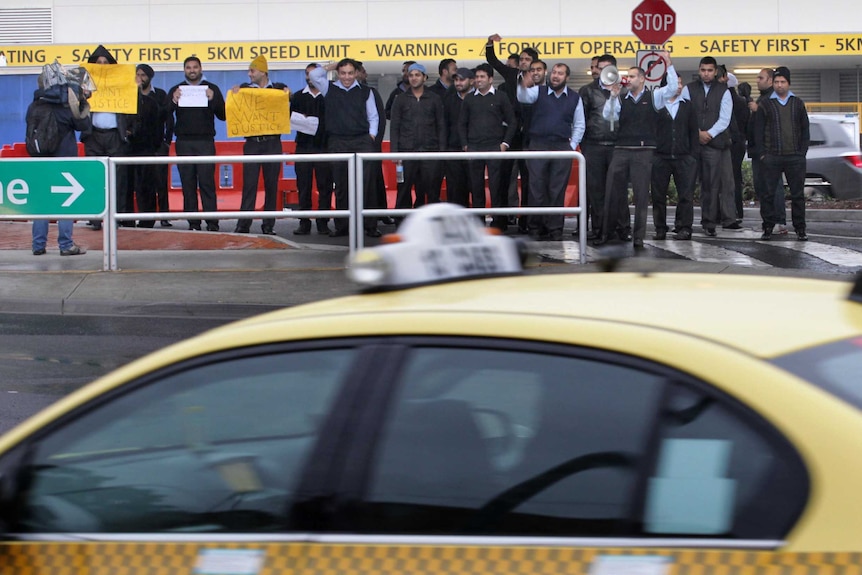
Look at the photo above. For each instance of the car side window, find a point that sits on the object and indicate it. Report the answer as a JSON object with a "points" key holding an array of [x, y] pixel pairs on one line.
{"points": [[721, 472], [505, 442], [214, 448]]}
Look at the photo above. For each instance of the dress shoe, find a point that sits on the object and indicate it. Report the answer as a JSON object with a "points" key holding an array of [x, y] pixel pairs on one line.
{"points": [[625, 236], [126, 224], [373, 232], [212, 227], [303, 230], [802, 236], [387, 220], [39, 252], [710, 232], [638, 243], [322, 228], [166, 224], [338, 233], [735, 226], [683, 235], [662, 235], [75, 250], [600, 241], [240, 230], [766, 235], [97, 225], [195, 227], [147, 224], [267, 231]]}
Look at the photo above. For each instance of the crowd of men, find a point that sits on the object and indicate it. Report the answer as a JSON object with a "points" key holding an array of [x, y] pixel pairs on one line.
{"points": [[630, 136]]}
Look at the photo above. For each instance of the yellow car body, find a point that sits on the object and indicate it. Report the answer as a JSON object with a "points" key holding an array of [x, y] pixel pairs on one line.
{"points": [[728, 333]]}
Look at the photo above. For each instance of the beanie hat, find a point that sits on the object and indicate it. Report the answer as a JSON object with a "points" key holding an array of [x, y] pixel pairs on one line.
{"points": [[148, 70], [259, 63], [419, 67], [782, 71], [101, 51]]}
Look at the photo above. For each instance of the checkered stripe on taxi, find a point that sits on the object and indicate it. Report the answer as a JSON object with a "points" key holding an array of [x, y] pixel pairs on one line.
{"points": [[337, 559]]}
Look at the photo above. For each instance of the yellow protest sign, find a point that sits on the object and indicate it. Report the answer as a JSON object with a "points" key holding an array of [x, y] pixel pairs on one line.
{"points": [[116, 90], [257, 112]]}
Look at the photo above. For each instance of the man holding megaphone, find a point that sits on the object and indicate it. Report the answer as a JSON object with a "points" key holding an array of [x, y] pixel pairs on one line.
{"points": [[598, 143], [637, 112]]}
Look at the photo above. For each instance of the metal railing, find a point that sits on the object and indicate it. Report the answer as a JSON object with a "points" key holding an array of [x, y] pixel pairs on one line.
{"points": [[356, 210]]}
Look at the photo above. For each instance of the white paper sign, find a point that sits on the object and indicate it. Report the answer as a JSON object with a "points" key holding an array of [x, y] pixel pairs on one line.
{"points": [[193, 97], [305, 124]]}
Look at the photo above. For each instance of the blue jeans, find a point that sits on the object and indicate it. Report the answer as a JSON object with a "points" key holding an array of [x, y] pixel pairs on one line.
{"points": [[40, 234]]}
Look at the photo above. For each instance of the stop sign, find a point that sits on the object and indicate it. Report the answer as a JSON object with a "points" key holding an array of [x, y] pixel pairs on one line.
{"points": [[653, 22]]}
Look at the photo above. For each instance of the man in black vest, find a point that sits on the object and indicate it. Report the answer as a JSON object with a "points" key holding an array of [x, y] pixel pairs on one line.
{"points": [[714, 109], [676, 142], [265, 145], [758, 172], [598, 149], [633, 151], [556, 124], [352, 122], [309, 103], [781, 131]]}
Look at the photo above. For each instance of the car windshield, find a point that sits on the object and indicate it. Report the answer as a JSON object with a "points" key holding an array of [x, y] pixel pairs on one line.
{"points": [[834, 367]]}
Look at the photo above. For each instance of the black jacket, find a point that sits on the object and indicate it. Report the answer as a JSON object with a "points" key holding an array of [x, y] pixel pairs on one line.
{"points": [[676, 137], [452, 112], [486, 121], [768, 127], [197, 123], [147, 133], [67, 124], [753, 151], [418, 124]]}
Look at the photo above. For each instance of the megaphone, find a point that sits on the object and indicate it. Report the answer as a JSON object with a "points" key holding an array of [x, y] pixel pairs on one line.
{"points": [[609, 75]]}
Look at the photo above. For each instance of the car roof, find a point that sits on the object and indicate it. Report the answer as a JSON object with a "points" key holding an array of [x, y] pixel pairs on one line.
{"points": [[761, 315]]}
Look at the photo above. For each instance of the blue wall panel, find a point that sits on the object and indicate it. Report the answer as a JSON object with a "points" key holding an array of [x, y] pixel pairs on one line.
{"points": [[16, 93]]}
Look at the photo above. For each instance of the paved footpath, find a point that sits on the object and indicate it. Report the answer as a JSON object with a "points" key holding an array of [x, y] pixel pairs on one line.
{"points": [[180, 273]]}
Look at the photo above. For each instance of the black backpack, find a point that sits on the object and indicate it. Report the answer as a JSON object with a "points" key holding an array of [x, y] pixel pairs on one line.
{"points": [[43, 133]]}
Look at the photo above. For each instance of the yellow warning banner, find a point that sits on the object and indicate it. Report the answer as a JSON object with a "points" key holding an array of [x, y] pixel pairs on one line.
{"points": [[568, 47]]}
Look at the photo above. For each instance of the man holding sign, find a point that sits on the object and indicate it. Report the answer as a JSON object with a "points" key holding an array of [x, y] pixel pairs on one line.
{"points": [[261, 121], [196, 103], [109, 134]]}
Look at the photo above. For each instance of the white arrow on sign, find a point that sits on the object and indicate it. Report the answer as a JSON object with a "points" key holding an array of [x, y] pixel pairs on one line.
{"points": [[74, 190]]}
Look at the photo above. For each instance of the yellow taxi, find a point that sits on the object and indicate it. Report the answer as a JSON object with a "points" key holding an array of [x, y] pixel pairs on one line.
{"points": [[604, 424]]}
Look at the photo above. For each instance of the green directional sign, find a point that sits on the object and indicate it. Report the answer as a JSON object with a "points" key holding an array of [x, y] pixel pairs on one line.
{"points": [[67, 187]]}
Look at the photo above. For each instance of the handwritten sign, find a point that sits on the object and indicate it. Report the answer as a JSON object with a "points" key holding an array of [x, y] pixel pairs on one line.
{"points": [[257, 112], [193, 96], [116, 90]]}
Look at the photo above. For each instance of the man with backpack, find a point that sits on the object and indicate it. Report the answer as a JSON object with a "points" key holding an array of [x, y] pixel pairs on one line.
{"points": [[56, 113]]}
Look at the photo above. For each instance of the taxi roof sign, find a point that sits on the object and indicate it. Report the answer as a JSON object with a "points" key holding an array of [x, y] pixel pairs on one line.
{"points": [[438, 243]]}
